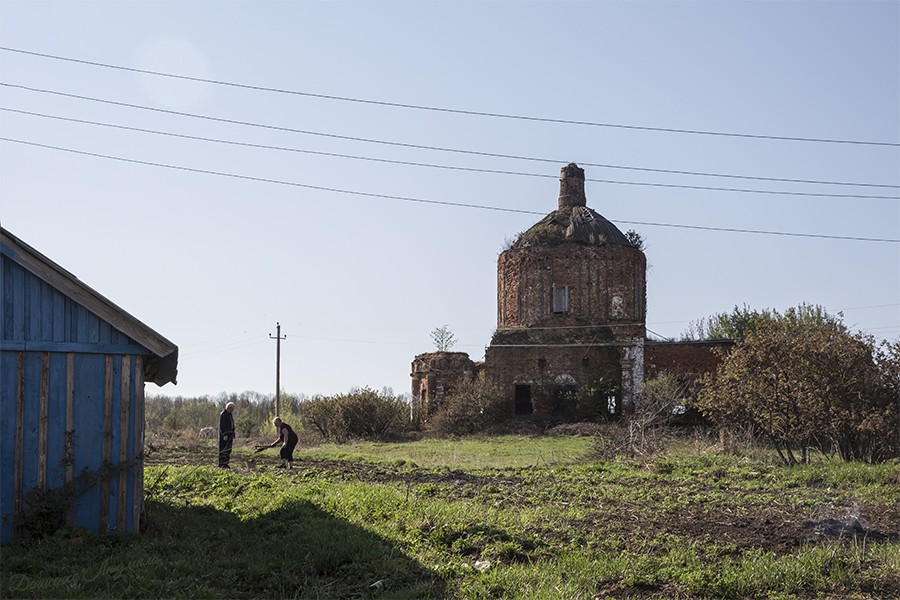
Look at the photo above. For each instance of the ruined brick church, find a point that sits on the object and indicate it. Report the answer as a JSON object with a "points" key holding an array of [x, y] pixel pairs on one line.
{"points": [[571, 331]]}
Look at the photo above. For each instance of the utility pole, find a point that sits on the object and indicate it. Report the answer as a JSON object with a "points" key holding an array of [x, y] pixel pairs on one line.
{"points": [[277, 337]]}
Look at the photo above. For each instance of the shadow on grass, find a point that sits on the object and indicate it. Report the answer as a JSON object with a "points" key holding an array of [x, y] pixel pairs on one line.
{"points": [[293, 551]]}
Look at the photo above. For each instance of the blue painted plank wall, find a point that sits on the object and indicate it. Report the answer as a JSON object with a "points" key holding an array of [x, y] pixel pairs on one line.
{"points": [[34, 311], [7, 436], [37, 320], [31, 408], [56, 422]]}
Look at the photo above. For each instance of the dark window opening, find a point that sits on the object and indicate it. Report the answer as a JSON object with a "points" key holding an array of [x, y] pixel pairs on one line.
{"points": [[523, 400], [561, 299]]}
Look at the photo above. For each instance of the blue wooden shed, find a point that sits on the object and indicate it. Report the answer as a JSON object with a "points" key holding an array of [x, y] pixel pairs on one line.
{"points": [[72, 372]]}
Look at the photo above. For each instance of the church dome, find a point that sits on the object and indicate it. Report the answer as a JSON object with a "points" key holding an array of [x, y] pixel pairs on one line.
{"points": [[573, 221]]}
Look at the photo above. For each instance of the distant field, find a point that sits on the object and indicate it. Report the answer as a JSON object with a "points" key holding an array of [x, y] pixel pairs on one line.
{"points": [[468, 453], [510, 517]]}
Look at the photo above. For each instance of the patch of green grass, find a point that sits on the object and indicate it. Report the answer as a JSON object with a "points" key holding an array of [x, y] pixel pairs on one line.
{"points": [[484, 518], [463, 453]]}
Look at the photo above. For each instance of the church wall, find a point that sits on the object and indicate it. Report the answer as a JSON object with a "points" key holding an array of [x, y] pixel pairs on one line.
{"points": [[605, 284], [688, 360], [435, 374], [556, 377]]}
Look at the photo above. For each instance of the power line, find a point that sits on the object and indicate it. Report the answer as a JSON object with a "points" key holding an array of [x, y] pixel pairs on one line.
{"points": [[220, 349], [435, 166], [435, 202], [554, 161], [868, 307], [449, 110]]}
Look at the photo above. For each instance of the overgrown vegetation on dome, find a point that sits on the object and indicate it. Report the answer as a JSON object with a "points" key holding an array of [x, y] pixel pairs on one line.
{"points": [[542, 234]]}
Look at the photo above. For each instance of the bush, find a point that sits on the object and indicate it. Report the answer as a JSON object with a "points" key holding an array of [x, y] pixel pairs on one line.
{"points": [[646, 430], [809, 385], [474, 406], [361, 414]]}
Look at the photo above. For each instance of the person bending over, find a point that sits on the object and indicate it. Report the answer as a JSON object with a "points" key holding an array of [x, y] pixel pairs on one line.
{"points": [[288, 440]]}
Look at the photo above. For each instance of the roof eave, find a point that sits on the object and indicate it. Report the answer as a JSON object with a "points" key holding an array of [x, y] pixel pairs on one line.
{"points": [[42, 267]]}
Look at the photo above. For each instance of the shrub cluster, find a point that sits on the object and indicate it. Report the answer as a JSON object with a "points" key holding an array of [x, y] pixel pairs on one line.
{"points": [[474, 406], [361, 414], [645, 431], [810, 386]]}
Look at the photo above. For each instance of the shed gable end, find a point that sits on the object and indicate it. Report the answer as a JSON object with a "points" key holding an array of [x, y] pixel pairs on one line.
{"points": [[36, 315]]}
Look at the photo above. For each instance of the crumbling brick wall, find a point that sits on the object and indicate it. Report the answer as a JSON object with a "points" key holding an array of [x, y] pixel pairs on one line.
{"points": [[435, 375], [542, 347], [571, 311], [603, 284], [688, 360], [555, 381]]}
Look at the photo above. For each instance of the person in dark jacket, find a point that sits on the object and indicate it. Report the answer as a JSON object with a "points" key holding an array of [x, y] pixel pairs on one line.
{"points": [[288, 440], [226, 435]]}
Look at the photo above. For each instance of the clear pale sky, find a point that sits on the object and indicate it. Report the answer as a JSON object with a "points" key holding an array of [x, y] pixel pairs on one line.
{"points": [[358, 282]]}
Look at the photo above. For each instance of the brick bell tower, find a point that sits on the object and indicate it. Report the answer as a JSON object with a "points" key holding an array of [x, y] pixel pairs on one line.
{"points": [[571, 313]]}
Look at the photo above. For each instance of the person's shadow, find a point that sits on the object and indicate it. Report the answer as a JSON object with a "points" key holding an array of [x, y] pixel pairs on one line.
{"points": [[294, 551]]}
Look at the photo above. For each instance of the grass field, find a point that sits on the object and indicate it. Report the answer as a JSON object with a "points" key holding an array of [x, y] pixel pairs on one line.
{"points": [[485, 518]]}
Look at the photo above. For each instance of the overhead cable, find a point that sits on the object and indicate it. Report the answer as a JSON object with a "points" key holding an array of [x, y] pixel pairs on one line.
{"points": [[448, 110], [435, 166], [426, 147], [433, 202]]}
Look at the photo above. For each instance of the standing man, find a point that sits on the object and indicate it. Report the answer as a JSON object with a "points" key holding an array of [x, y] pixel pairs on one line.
{"points": [[226, 435], [288, 440]]}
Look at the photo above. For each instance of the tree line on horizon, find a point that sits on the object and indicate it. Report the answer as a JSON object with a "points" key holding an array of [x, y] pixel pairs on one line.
{"points": [[800, 380]]}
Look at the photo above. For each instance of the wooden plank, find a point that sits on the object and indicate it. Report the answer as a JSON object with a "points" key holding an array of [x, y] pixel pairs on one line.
{"points": [[81, 321], [59, 317], [107, 443], [5, 297], [105, 333], [33, 314], [81, 348], [93, 325], [20, 435], [46, 312], [88, 437], [70, 428], [43, 416], [138, 497], [56, 422], [17, 291], [125, 400]]}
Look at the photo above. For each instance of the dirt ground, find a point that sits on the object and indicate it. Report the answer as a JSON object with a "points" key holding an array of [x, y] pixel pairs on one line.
{"points": [[776, 528]]}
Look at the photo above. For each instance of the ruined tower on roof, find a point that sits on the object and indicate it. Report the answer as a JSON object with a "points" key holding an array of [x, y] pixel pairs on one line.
{"points": [[571, 308], [571, 186]]}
